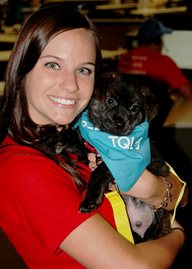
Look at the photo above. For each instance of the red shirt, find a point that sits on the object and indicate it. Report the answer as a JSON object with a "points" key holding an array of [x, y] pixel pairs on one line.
{"points": [[145, 61], [39, 206]]}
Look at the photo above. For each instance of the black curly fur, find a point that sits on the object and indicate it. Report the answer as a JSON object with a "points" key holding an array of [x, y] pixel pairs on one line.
{"points": [[118, 105]]}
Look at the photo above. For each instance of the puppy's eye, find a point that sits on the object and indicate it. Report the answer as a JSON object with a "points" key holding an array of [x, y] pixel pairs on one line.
{"points": [[111, 101], [134, 108]]}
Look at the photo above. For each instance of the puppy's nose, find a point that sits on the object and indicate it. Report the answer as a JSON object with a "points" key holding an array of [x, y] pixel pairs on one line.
{"points": [[119, 125]]}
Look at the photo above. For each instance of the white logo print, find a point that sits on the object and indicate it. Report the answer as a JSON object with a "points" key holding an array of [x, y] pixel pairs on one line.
{"points": [[125, 142]]}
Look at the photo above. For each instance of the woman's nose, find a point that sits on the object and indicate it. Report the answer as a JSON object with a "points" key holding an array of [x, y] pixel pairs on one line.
{"points": [[69, 83]]}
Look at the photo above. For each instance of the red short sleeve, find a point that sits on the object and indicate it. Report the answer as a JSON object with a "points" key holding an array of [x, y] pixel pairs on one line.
{"points": [[42, 197]]}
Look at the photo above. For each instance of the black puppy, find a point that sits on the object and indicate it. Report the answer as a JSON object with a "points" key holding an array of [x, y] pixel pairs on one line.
{"points": [[119, 104]]}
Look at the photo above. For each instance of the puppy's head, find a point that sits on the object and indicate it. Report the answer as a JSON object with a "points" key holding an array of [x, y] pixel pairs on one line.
{"points": [[119, 103]]}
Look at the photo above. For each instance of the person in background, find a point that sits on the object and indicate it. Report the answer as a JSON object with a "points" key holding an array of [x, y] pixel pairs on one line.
{"points": [[49, 81], [147, 59]]}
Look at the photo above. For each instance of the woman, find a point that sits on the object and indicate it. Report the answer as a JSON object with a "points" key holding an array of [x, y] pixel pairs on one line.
{"points": [[49, 81]]}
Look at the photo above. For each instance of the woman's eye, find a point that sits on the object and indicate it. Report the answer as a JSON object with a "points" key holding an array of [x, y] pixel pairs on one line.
{"points": [[84, 70], [52, 66]]}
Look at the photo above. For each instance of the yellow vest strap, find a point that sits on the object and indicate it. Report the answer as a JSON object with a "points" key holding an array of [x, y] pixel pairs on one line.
{"points": [[120, 215]]}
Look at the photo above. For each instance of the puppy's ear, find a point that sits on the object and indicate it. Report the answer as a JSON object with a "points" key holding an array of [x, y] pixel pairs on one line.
{"points": [[150, 103], [102, 82]]}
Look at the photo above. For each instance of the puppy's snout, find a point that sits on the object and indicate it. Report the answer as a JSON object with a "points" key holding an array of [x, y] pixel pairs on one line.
{"points": [[119, 124]]}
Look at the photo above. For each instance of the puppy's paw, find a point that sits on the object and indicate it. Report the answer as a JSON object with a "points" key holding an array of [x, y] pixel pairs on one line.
{"points": [[88, 205]]}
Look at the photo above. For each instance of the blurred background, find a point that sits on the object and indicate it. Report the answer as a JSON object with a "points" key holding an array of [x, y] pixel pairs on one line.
{"points": [[117, 22]]}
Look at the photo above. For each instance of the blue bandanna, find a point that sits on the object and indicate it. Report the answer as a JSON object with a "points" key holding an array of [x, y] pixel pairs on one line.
{"points": [[125, 156]]}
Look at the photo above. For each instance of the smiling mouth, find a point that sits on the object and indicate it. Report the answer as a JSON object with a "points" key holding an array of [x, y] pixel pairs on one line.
{"points": [[62, 101]]}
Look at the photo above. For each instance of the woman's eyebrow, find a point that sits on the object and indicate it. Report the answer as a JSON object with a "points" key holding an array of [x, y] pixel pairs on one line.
{"points": [[50, 56], [89, 63], [58, 58]]}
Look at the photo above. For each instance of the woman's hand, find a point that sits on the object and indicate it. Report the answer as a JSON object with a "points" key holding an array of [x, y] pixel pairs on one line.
{"points": [[151, 189], [94, 160]]}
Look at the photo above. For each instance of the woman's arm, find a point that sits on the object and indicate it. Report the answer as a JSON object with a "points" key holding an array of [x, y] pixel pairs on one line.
{"points": [[152, 189], [96, 245]]}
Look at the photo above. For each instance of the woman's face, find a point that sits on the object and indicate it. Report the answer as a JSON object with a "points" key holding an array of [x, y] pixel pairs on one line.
{"points": [[61, 83]]}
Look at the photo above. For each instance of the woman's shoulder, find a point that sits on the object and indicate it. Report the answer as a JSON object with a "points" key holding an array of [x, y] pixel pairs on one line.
{"points": [[9, 145], [26, 168], [12, 151], [20, 159]]}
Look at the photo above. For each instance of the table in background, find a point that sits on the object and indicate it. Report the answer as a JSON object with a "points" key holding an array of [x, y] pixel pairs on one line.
{"points": [[153, 11], [2, 84], [4, 55], [112, 54], [180, 115], [123, 6]]}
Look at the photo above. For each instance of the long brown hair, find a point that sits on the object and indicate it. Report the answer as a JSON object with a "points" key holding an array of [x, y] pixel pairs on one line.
{"points": [[34, 35]]}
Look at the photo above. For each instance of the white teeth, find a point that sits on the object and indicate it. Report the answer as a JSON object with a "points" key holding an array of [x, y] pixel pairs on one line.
{"points": [[62, 101]]}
